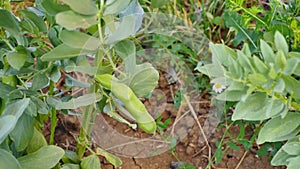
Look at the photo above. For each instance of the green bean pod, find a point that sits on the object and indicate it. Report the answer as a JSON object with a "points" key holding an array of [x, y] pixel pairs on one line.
{"points": [[130, 101]]}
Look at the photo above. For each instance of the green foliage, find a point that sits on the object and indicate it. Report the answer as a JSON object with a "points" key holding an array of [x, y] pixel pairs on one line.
{"points": [[267, 87], [53, 40]]}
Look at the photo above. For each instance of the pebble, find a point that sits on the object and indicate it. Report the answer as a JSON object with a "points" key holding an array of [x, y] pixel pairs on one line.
{"points": [[189, 150]]}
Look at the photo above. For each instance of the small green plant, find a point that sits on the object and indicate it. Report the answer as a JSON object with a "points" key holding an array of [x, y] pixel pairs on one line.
{"points": [[34, 53], [266, 88]]}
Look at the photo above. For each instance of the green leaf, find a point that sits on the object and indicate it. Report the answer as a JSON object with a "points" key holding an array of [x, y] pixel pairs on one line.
{"points": [[116, 7], [126, 50], [125, 29], [84, 100], [53, 36], [292, 147], [9, 92], [114, 160], [37, 141], [36, 20], [9, 22], [134, 8], [233, 146], [7, 124], [40, 81], [17, 59], [42, 107], [90, 162], [257, 79], [22, 133], [277, 128], [267, 52], [236, 21], [260, 66], [70, 157], [72, 21], [232, 95], [55, 74], [76, 39], [279, 86], [280, 60], [280, 43], [53, 8], [159, 3], [280, 158], [257, 106], [70, 166], [291, 66], [246, 50], [212, 70], [72, 82], [46, 158], [64, 52], [219, 155], [222, 54], [244, 61], [8, 161], [291, 84], [144, 80], [89, 7], [16, 108], [293, 163]]}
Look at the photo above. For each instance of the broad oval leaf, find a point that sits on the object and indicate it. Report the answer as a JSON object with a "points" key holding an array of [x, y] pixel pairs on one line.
{"points": [[9, 22], [17, 59], [89, 7], [291, 66], [37, 141], [116, 7], [53, 8], [90, 162], [135, 9], [144, 80], [125, 29], [293, 163], [16, 108], [36, 20], [126, 50], [64, 52], [280, 43], [72, 21], [40, 81], [267, 52], [79, 40], [280, 158], [8, 161], [292, 147], [257, 106], [70, 166], [232, 95], [212, 70], [7, 124], [23, 132], [84, 100], [46, 158], [277, 128]]}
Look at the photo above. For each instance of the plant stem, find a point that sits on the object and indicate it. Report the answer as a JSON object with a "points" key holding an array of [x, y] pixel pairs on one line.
{"points": [[85, 129], [90, 114], [53, 116]]}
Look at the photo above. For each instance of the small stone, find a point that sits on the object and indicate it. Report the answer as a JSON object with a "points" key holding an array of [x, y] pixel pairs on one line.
{"points": [[190, 150]]}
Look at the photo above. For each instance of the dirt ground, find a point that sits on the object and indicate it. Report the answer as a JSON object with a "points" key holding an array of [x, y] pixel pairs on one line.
{"points": [[191, 145]]}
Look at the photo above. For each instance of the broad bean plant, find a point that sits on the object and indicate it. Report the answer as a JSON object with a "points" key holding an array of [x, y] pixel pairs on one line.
{"points": [[266, 87], [41, 44]]}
